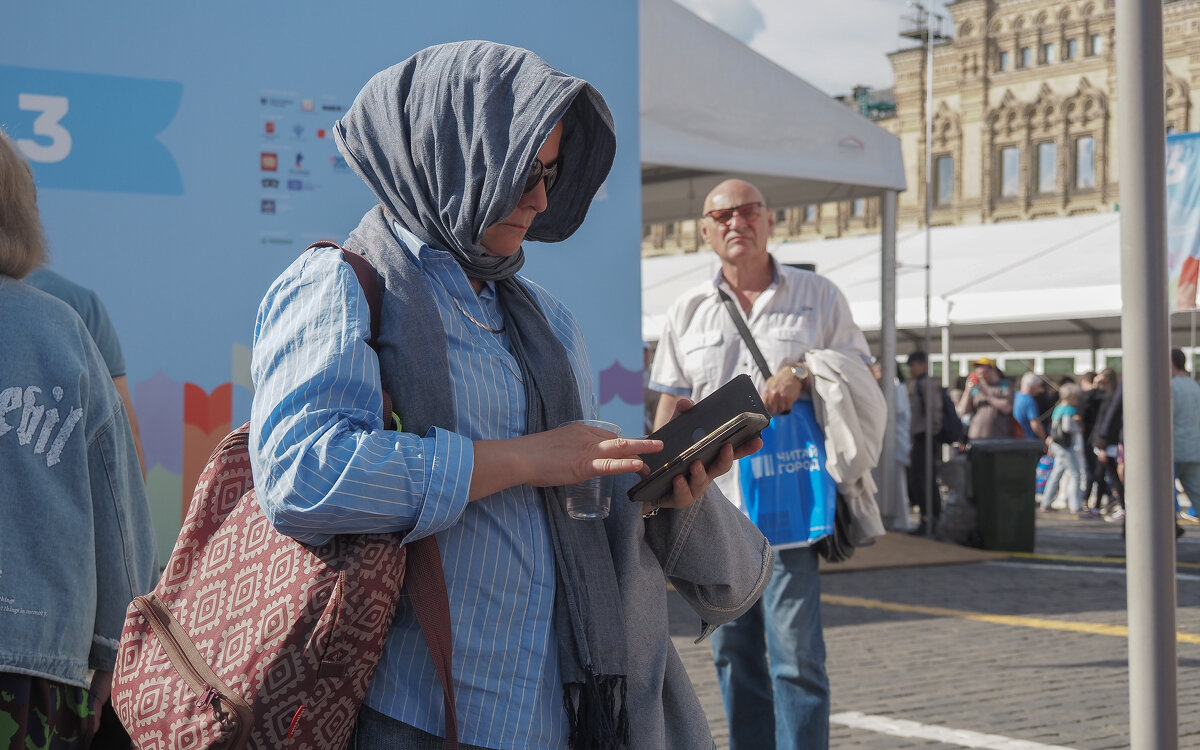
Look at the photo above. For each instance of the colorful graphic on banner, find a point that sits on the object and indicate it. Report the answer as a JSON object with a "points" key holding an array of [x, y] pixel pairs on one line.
{"points": [[1183, 218], [92, 132]]}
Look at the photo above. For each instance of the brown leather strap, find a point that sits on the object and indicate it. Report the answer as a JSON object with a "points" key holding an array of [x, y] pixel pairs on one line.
{"points": [[424, 578], [368, 279], [425, 584]]}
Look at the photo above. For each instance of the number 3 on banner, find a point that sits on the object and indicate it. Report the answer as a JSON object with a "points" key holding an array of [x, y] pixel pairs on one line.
{"points": [[47, 124]]}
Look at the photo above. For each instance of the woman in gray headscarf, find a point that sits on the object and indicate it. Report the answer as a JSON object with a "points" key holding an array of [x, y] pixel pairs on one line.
{"points": [[559, 626]]}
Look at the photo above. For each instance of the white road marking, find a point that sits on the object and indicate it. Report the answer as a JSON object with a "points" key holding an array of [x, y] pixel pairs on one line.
{"points": [[1078, 569], [959, 737]]}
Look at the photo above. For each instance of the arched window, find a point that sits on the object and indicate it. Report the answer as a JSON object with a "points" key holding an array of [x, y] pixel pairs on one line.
{"points": [[1008, 137], [1177, 96], [947, 156], [1086, 113], [1046, 136]]}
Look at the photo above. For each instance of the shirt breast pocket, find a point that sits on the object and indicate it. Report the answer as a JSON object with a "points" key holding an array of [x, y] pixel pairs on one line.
{"points": [[786, 344], [702, 355]]}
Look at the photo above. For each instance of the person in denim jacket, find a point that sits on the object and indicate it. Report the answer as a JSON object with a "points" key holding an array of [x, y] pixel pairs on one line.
{"points": [[76, 541]]}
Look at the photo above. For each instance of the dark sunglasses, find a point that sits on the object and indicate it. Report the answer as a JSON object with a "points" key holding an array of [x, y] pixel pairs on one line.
{"points": [[539, 172], [748, 211]]}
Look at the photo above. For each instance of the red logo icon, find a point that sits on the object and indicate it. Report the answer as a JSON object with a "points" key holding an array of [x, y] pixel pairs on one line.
{"points": [[320, 132], [269, 127], [269, 162]]}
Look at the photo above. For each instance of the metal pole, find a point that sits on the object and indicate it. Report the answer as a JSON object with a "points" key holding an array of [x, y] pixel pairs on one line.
{"points": [[930, 483], [1145, 337], [948, 375], [1192, 352], [887, 344]]}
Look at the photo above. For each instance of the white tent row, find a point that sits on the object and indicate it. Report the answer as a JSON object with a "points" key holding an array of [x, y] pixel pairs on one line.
{"points": [[1030, 286]]}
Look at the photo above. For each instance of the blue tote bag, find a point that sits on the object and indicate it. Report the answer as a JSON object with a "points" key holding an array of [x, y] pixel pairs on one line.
{"points": [[787, 491]]}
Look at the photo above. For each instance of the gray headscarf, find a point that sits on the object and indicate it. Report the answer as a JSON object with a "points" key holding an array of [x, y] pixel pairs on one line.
{"points": [[445, 140]]}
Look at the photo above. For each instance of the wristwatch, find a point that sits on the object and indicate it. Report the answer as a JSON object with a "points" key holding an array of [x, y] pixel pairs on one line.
{"points": [[800, 370]]}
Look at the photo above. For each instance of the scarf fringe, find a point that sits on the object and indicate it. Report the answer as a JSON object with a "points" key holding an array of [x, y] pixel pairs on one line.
{"points": [[596, 712]]}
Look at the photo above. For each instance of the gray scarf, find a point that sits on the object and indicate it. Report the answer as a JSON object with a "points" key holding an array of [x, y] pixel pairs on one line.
{"points": [[445, 141]]}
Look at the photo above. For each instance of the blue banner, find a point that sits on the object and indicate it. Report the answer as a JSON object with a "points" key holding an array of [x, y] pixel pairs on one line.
{"points": [[183, 155], [1183, 218], [83, 131]]}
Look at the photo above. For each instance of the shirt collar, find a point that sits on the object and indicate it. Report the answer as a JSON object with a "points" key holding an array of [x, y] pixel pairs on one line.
{"points": [[719, 281], [422, 253]]}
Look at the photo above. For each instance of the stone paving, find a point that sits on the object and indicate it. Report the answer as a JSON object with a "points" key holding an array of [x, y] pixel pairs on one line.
{"points": [[1032, 684]]}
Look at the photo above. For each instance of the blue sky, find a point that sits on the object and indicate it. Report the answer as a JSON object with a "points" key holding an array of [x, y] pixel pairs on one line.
{"points": [[832, 45]]}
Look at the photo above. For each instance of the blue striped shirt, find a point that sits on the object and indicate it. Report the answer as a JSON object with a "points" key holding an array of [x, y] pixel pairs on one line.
{"points": [[324, 464]]}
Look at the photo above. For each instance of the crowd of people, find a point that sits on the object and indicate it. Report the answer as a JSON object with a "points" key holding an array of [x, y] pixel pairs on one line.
{"points": [[1077, 419]]}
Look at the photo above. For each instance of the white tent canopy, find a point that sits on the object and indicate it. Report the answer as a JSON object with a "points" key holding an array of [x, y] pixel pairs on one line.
{"points": [[1028, 286], [711, 109]]}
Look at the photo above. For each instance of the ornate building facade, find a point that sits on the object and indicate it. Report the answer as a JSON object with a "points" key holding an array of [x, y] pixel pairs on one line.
{"points": [[1024, 119], [1024, 109]]}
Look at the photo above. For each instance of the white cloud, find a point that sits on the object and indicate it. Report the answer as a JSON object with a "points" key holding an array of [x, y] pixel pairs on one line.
{"points": [[740, 19], [832, 45]]}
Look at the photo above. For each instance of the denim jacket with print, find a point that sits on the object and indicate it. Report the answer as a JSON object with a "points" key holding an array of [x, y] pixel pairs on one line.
{"points": [[76, 540]]}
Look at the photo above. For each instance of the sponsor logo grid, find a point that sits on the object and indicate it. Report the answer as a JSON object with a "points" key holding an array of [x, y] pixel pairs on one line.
{"points": [[294, 130]]}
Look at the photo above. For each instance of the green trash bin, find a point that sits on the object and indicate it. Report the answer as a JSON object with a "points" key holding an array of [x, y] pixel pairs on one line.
{"points": [[1003, 483]]}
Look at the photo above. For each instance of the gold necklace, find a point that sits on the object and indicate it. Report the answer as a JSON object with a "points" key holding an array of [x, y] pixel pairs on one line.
{"points": [[471, 318]]}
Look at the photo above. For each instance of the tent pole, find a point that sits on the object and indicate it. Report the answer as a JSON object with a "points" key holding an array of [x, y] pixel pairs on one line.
{"points": [[887, 344], [1192, 353], [930, 481], [948, 377], [1145, 337]]}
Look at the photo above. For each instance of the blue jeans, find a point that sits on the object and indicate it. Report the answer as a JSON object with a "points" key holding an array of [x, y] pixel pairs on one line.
{"points": [[1188, 473], [785, 704], [1065, 460]]}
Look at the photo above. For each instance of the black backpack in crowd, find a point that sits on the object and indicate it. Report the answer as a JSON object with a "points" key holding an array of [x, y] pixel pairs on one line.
{"points": [[952, 429]]}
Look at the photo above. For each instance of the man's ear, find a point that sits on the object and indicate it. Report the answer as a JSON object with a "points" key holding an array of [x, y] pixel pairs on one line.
{"points": [[704, 231]]}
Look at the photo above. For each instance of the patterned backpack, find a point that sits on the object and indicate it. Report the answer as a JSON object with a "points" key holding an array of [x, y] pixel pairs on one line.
{"points": [[254, 640]]}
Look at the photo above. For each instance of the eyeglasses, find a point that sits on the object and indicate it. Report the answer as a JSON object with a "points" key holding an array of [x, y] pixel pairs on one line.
{"points": [[748, 211], [539, 172]]}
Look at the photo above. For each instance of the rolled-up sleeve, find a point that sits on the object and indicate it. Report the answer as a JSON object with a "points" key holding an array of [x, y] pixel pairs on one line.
{"points": [[667, 372], [323, 462]]}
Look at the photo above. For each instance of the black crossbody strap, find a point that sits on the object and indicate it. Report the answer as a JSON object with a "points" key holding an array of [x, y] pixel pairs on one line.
{"points": [[748, 337]]}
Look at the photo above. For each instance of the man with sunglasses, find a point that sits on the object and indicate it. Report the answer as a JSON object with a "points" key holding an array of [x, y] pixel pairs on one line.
{"points": [[789, 312]]}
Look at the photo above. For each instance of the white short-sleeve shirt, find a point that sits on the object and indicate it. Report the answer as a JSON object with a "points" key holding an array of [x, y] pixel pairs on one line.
{"points": [[700, 348]]}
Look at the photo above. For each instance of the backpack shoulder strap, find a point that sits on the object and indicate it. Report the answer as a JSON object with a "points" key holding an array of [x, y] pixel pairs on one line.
{"points": [[368, 279], [424, 579]]}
